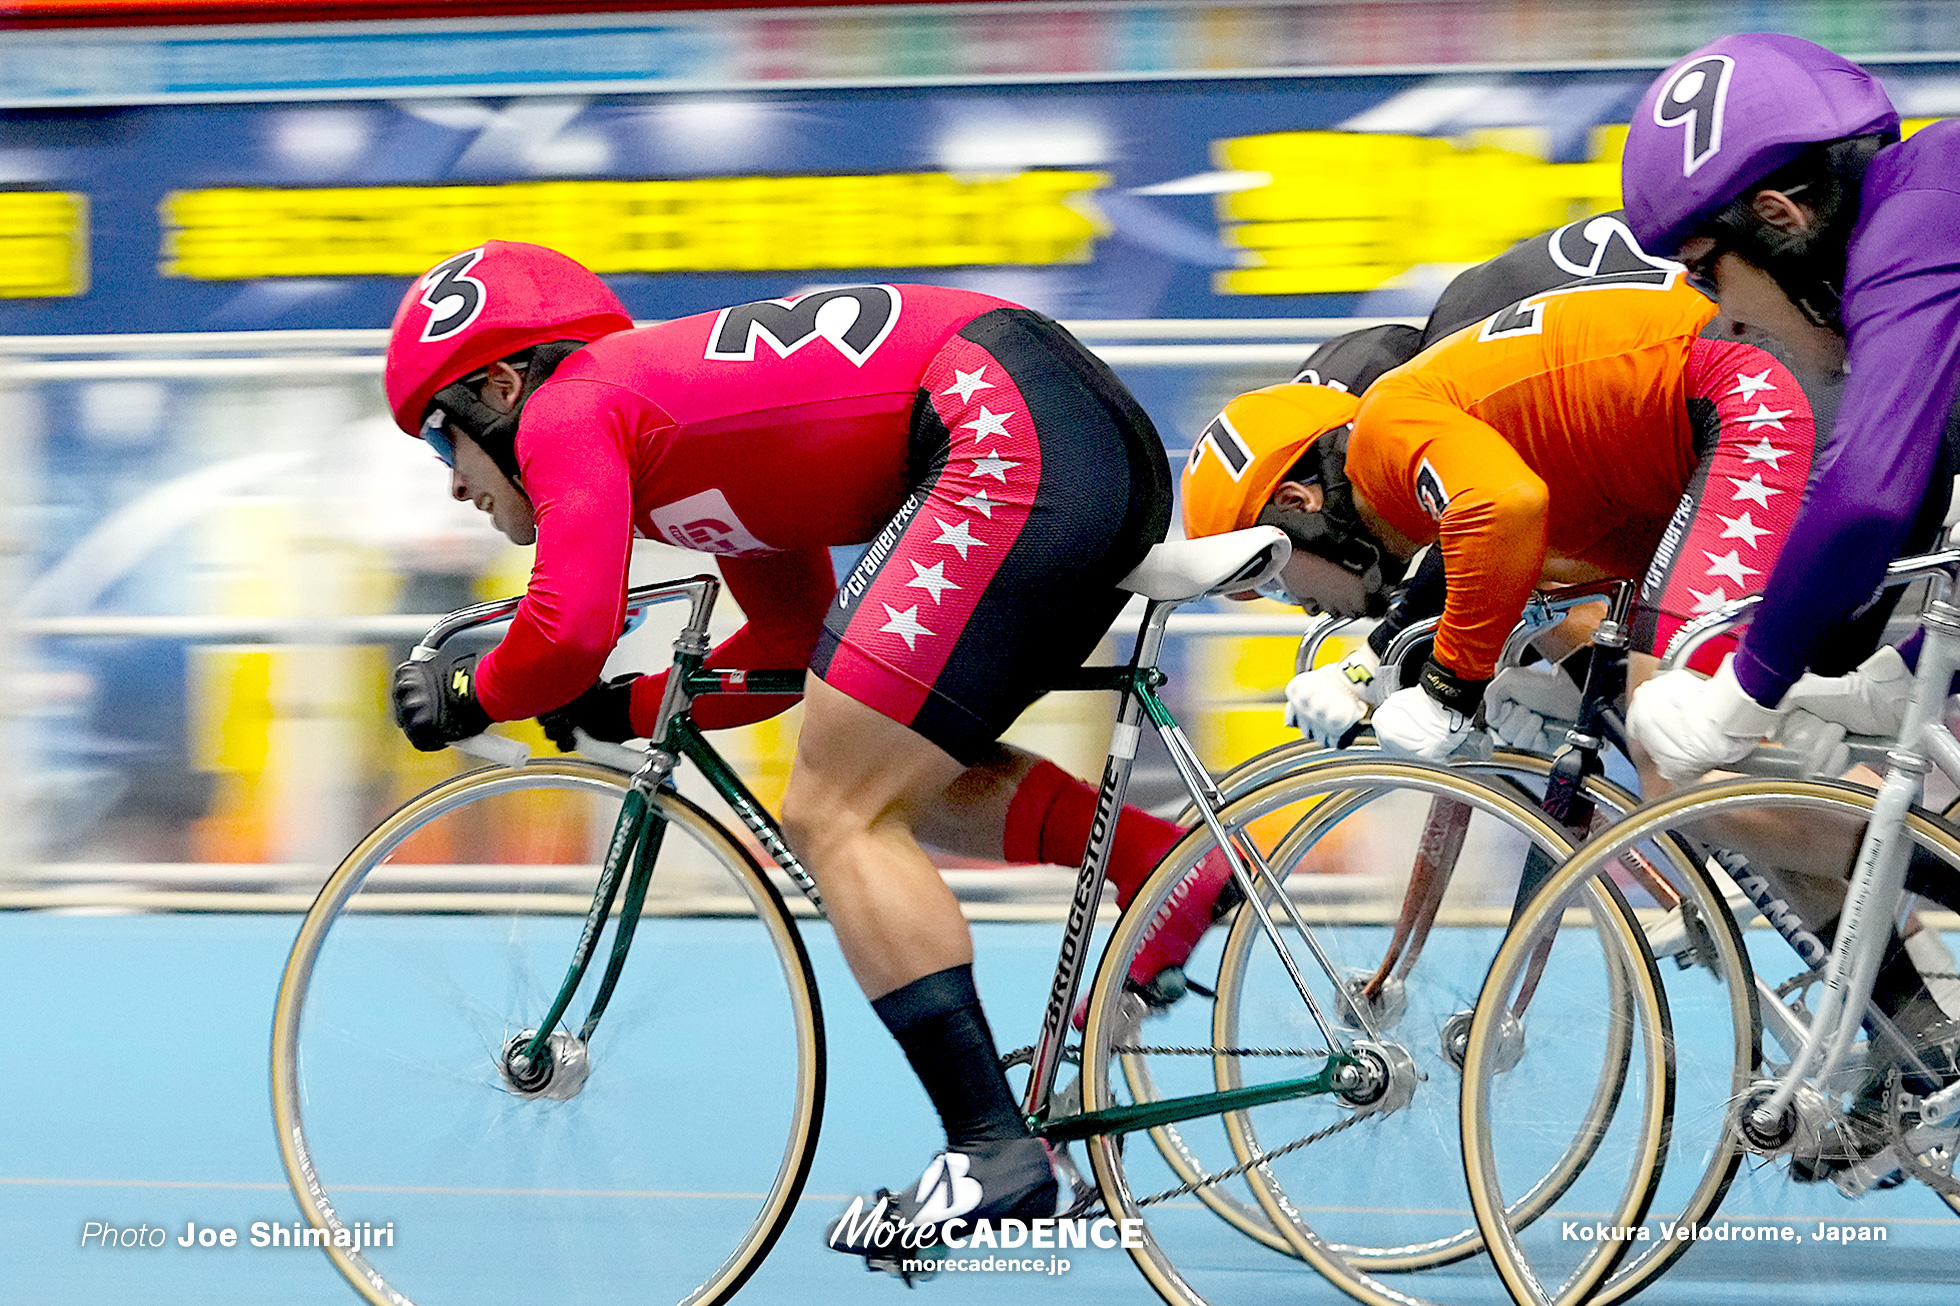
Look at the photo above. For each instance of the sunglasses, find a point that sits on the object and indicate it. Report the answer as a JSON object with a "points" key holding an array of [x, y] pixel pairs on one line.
{"points": [[435, 434], [1700, 272]]}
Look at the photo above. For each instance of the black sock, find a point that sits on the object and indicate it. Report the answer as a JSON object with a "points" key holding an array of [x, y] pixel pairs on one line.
{"points": [[938, 1021]]}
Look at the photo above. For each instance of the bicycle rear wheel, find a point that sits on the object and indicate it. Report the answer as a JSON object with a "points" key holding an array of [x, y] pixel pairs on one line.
{"points": [[1365, 1191], [668, 1152]]}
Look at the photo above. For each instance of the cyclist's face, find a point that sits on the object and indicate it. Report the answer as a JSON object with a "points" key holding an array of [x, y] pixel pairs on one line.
{"points": [[1322, 586], [477, 479], [1750, 298]]}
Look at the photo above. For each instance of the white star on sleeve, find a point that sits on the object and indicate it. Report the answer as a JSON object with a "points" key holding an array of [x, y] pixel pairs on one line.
{"points": [[931, 579], [1742, 528], [980, 503], [1765, 452], [993, 465], [988, 423], [1752, 489], [1747, 386], [960, 537], [904, 624], [1710, 601], [967, 382], [1729, 566], [1765, 416]]}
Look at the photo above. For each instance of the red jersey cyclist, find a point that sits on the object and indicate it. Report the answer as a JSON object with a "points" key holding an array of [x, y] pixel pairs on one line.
{"points": [[1004, 481]]}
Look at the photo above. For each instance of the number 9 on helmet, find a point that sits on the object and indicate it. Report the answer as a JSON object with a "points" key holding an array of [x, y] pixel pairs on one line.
{"points": [[1722, 120]]}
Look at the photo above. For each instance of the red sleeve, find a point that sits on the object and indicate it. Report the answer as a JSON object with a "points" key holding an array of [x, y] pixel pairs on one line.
{"points": [[785, 596], [572, 449]]}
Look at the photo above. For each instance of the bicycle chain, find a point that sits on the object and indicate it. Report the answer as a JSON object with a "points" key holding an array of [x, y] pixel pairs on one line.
{"points": [[1072, 1054], [1132, 1049], [1090, 1204], [1935, 1178], [1212, 1180]]}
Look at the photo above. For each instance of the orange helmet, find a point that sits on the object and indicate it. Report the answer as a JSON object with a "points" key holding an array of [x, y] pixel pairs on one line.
{"points": [[1250, 447]]}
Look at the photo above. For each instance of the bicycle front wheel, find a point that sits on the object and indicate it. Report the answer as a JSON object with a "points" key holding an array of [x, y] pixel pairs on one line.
{"points": [[666, 1153], [1740, 1017]]}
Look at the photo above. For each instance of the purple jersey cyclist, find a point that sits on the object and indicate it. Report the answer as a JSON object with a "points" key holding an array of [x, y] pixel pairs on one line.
{"points": [[1775, 170]]}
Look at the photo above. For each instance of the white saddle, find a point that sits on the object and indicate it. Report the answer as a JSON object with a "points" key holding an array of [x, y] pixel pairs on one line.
{"points": [[1177, 570]]}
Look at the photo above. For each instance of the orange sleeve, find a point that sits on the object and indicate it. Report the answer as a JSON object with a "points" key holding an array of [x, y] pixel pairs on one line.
{"points": [[1435, 473]]}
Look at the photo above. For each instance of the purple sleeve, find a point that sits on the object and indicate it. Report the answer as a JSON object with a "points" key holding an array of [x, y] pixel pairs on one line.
{"points": [[1902, 316]]}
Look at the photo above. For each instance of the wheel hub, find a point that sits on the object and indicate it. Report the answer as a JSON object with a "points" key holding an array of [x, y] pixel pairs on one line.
{"points": [[1798, 1128], [1380, 1081], [1383, 1010], [558, 1072], [1504, 1057]]}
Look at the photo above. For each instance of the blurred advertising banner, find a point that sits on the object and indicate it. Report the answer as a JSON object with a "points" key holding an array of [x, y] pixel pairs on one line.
{"points": [[1179, 198], [642, 44]]}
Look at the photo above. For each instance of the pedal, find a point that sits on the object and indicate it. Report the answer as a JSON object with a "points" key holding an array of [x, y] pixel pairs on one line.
{"points": [[1886, 1169], [1165, 991]]}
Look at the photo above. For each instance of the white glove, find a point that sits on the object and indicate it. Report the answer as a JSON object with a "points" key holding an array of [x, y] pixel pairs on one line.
{"points": [[1532, 708], [1329, 701], [1819, 742], [1869, 701], [1410, 723], [1689, 725]]}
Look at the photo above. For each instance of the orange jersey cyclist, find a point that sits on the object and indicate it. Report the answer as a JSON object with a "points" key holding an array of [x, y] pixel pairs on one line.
{"points": [[1004, 481], [1612, 427]]}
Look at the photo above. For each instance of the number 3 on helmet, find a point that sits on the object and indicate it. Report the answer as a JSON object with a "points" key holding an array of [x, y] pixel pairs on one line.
{"points": [[483, 304]]}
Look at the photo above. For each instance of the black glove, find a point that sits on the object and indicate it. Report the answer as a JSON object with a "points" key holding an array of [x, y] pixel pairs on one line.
{"points": [[604, 711], [435, 702]]}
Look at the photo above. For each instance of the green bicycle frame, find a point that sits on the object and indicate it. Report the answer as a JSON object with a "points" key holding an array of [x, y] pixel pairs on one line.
{"points": [[638, 835]]}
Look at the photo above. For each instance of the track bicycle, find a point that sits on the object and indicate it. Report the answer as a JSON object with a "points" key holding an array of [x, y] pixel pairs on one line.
{"points": [[1813, 1095], [438, 1041], [1572, 787]]}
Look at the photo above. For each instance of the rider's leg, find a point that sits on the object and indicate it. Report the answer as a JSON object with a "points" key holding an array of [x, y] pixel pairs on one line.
{"points": [[858, 786], [1040, 484], [860, 783], [1025, 809]]}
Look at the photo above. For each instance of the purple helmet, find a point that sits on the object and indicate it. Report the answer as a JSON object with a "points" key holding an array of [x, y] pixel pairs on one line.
{"points": [[1730, 114]]}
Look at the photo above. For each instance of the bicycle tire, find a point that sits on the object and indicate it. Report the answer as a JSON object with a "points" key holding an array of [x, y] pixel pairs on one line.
{"points": [[1323, 791], [1820, 801], [1707, 1184], [655, 1224]]}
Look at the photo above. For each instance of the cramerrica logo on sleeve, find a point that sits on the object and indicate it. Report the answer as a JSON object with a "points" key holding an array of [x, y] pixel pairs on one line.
{"points": [[1430, 492], [1310, 376], [854, 319], [1694, 100]]}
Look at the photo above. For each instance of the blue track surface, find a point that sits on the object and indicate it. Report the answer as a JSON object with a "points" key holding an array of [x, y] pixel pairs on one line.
{"points": [[136, 1094]]}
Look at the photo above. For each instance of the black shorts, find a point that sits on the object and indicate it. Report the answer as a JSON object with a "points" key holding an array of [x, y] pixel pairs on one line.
{"points": [[1038, 484]]}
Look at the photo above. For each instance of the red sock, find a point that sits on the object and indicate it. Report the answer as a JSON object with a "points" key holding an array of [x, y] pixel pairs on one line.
{"points": [[1048, 822]]}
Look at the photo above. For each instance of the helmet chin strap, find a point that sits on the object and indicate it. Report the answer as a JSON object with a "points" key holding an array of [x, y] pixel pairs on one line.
{"points": [[496, 432], [1350, 548], [1335, 532]]}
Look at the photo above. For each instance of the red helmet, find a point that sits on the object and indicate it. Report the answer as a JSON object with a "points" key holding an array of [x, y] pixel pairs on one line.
{"points": [[484, 304]]}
